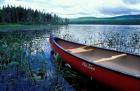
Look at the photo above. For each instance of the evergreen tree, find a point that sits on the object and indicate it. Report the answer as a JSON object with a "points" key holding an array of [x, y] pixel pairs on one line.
{"points": [[10, 14]]}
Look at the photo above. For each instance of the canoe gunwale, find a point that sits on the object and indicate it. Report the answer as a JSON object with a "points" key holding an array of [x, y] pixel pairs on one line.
{"points": [[53, 39]]}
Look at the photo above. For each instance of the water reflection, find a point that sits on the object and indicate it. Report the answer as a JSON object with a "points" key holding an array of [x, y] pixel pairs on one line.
{"points": [[25, 62]]}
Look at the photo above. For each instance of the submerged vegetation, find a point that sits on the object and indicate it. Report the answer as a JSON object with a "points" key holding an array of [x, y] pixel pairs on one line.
{"points": [[20, 15], [17, 49], [24, 63]]}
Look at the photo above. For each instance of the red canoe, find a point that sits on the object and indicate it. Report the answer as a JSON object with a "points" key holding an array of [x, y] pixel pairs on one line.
{"points": [[118, 70]]}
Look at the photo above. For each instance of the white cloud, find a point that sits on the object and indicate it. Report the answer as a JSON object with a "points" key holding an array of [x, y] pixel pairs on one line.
{"points": [[75, 8]]}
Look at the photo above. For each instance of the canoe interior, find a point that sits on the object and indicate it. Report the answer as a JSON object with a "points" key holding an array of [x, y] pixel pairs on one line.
{"points": [[125, 63]]}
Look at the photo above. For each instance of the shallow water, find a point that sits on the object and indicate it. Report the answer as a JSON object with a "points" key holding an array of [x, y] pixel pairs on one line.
{"points": [[26, 54], [23, 56]]}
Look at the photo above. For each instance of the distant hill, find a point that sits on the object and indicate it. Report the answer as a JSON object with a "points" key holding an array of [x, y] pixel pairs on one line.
{"points": [[128, 17], [125, 19]]}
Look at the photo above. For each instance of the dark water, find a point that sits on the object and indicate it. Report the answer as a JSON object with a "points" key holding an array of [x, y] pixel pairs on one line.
{"points": [[27, 64]]}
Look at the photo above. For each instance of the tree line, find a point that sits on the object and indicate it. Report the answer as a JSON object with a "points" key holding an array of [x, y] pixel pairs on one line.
{"points": [[20, 15]]}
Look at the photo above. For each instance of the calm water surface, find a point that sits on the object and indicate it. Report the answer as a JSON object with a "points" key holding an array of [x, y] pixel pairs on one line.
{"points": [[26, 54]]}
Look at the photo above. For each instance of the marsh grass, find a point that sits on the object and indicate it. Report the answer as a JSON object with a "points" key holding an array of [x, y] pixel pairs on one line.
{"points": [[24, 59], [21, 57], [129, 43], [19, 27]]}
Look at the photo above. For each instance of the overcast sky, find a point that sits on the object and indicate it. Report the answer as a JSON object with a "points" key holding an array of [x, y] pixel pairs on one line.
{"points": [[80, 8]]}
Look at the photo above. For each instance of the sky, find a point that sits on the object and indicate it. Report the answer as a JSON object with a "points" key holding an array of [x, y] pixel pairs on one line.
{"points": [[80, 8]]}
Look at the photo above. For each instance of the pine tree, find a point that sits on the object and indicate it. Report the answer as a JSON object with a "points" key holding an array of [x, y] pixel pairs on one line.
{"points": [[10, 14]]}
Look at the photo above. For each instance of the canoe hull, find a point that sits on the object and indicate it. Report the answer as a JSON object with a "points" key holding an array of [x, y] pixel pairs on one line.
{"points": [[113, 79]]}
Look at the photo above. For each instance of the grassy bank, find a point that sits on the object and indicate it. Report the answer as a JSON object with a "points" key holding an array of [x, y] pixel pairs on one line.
{"points": [[13, 27]]}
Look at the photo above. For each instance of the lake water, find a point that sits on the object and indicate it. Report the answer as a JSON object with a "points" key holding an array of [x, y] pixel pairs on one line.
{"points": [[25, 54], [124, 38]]}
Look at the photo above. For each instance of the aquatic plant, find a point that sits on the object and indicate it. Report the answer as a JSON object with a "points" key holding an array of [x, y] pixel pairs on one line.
{"points": [[110, 40], [17, 53]]}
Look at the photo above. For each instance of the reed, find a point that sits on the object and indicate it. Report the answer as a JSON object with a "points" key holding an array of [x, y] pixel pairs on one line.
{"points": [[129, 43], [18, 48]]}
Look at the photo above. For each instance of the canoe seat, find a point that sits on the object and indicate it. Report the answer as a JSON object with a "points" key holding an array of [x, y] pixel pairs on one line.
{"points": [[111, 58], [81, 49]]}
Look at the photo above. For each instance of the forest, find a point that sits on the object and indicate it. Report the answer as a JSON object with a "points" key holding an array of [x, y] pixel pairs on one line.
{"points": [[119, 20], [19, 15]]}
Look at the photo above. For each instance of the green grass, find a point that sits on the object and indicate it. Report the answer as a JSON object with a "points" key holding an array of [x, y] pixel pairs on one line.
{"points": [[13, 27]]}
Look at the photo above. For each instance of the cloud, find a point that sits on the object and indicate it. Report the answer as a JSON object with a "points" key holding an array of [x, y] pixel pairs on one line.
{"points": [[131, 1], [75, 8], [118, 11]]}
